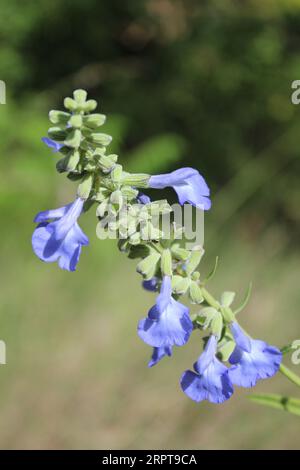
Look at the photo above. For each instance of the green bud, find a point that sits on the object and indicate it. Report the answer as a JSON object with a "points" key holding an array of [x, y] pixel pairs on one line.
{"points": [[72, 160], [217, 325], [195, 293], [194, 260], [148, 266], [116, 199], [80, 96], [139, 180], [85, 186], [116, 174], [89, 106], [225, 348], [205, 316], [59, 117], [94, 120], [70, 104], [179, 253], [56, 133], [100, 138], [180, 284], [227, 298], [76, 121], [102, 208], [166, 263], [73, 139], [228, 314], [195, 276], [129, 192]]}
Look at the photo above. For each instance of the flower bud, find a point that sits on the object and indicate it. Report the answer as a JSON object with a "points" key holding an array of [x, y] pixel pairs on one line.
{"points": [[166, 263], [94, 121], [147, 267], [59, 117], [195, 293], [85, 186], [73, 139]]}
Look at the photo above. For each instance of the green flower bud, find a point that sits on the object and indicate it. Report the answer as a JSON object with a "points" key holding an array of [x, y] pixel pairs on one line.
{"points": [[179, 253], [139, 180], [148, 266], [194, 260], [166, 263], [217, 325], [180, 284], [228, 314], [116, 199], [195, 293], [76, 121], [70, 104], [73, 139], [116, 174], [129, 192], [102, 208], [227, 298], [94, 120], [56, 133], [69, 162], [59, 117], [100, 138], [85, 186], [89, 106], [80, 96]]}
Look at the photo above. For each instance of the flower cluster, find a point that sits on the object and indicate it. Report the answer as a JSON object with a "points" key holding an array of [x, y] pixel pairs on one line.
{"points": [[230, 357]]}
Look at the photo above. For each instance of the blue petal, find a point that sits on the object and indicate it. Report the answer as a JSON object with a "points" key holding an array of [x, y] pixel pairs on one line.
{"points": [[261, 362], [158, 354], [207, 356], [189, 185], [213, 385], [151, 284], [60, 240], [242, 340], [52, 144], [143, 198], [171, 327]]}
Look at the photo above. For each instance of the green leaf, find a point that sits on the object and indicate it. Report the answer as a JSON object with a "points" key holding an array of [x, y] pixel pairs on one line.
{"points": [[280, 402]]}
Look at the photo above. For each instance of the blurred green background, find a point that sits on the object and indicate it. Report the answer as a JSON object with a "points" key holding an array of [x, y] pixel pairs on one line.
{"points": [[205, 84]]}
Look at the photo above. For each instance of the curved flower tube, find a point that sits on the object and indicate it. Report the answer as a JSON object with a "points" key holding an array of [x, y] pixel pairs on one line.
{"points": [[61, 239], [168, 322], [189, 185]]}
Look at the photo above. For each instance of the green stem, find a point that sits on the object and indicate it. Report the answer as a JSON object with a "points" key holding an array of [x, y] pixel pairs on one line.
{"points": [[294, 378], [210, 299]]}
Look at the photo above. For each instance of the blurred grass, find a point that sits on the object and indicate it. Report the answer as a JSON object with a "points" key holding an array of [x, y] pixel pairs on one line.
{"points": [[76, 374]]}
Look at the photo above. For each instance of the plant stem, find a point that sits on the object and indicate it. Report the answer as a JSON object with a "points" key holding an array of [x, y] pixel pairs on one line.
{"points": [[290, 375]]}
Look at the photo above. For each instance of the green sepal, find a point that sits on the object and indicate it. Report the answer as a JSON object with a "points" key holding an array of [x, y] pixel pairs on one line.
{"points": [[85, 186], [227, 298], [195, 293], [148, 266], [70, 104], [99, 138], [228, 314], [180, 284], [69, 162], [180, 253], [93, 121], [73, 139], [139, 180], [59, 117], [193, 261], [205, 317], [89, 106], [166, 263], [76, 121], [80, 96], [217, 325], [56, 133], [225, 348]]}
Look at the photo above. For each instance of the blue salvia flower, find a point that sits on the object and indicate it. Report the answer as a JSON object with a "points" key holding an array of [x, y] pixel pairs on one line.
{"points": [[189, 185], [158, 354], [168, 322], [252, 359], [151, 284], [55, 146], [61, 239], [210, 381]]}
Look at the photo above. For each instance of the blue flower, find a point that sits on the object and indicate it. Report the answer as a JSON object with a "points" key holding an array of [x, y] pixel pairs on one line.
{"points": [[158, 354], [168, 322], [143, 198], [52, 144], [189, 185], [151, 284], [210, 381], [252, 359], [61, 239]]}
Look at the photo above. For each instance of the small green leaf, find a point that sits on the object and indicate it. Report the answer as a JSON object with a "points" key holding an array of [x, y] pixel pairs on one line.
{"points": [[227, 298]]}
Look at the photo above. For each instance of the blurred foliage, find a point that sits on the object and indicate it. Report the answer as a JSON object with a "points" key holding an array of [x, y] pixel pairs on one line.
{"points": [[183, 82]]}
